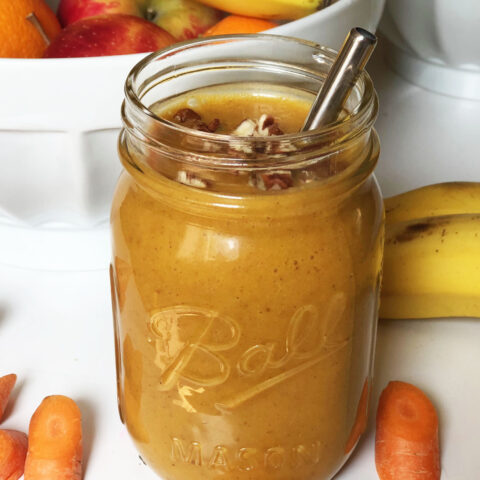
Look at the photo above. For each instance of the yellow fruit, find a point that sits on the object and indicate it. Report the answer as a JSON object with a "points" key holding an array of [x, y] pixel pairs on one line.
{"points": [[433, 200], [19, 37], [432, 268], [272, 9]]}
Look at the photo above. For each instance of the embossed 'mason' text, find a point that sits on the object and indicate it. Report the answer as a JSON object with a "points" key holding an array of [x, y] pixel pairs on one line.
{"points": [[225, 459]]}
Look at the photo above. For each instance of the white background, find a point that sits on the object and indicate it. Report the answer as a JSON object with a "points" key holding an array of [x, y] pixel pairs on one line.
{"points": [[56, 328]]}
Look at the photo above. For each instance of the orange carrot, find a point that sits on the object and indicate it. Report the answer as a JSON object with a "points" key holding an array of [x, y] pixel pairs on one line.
{"points": [[238, 24], [55, 441], [13, 450], [6, 386], [406, 441], [360, 420]]}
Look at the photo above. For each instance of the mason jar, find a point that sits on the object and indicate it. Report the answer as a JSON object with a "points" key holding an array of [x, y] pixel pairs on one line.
{"points": [[245, 316]]}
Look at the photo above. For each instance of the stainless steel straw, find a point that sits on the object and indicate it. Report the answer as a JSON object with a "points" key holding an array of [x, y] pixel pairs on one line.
{"points": [[350, 61]]}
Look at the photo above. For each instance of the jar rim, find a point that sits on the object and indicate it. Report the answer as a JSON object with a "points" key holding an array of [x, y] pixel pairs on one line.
{"points": [[356, 123]]}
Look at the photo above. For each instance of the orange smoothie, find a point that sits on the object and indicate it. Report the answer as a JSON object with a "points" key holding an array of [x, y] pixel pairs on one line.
{"points": [[245, 276]]}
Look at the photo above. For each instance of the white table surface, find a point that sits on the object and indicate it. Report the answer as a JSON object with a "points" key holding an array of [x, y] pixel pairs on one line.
{"points": [[56, 334]]}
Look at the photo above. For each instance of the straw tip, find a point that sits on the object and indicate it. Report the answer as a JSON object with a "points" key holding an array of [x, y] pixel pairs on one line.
{"points": [[365, 34]]}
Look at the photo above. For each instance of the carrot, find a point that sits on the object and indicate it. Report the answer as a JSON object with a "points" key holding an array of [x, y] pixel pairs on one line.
{"points": [[238, 24], [6, 386], [406, 441], [55, 441], [13, 450], [360, 420]]}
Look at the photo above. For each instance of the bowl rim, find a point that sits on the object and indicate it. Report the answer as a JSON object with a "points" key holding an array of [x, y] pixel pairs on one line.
{"points": [[283, 29]]}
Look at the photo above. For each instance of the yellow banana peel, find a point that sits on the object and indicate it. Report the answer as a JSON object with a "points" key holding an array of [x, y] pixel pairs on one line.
{"points": [[434, 200], [270, 9], [432, 267]]}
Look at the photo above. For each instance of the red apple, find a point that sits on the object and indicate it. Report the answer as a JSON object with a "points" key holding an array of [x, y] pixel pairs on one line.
{"points": [[70, 11], [184, 19], [113, 34]]}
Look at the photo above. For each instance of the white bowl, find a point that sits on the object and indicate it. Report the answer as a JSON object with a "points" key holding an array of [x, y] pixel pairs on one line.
{"points": [[59, 122], [436, 44]]}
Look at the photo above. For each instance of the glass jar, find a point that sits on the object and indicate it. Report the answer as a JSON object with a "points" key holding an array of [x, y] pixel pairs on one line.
{"points": [[245, 317]]}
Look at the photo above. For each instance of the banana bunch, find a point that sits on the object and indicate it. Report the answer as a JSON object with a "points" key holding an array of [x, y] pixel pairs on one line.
{"points": [[432, 253], [271, 9]]}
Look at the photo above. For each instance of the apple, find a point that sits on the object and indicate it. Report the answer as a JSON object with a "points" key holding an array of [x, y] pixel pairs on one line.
{"points": [[111, 34], [70, 11], [184, 19]]}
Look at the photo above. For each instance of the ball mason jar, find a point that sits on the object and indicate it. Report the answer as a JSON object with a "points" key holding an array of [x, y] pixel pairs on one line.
{"points": [[245, 317]]}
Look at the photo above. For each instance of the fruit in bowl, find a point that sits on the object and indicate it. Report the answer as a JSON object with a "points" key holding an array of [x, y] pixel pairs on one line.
{"points": [[274, 9], [237, 23], [116, 27], [59, 121], [110, 34], [26, 28], [105, 27], [184, 19], [101, 27], [70, 11]]}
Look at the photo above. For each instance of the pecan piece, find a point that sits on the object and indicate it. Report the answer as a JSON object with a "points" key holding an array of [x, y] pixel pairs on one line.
{"points": [[266, 126], [188, 178], [245, 129], [213, 125], [197, 125], [186, 114], [193, 120], [280, 180], [263, 127], [277, 181]]}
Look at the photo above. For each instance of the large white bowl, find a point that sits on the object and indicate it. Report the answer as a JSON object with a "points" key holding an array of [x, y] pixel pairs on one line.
{"points": [[59, 121], [436, 44]]}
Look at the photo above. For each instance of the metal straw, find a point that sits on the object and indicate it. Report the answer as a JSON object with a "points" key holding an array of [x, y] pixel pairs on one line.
{"points": [[350, 61]]}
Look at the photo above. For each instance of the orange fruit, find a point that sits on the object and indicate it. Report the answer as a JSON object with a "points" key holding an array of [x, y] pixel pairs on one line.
{"points": [[238, 24], [20, 37]]}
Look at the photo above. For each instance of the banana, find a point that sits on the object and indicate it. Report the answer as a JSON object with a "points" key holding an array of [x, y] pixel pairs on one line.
{"points": [[271, 9], [434, 200], [432, 266]]}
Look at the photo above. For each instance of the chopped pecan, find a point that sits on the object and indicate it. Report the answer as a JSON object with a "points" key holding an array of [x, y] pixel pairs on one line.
{"points": [[192, 119], [306, 176], [266, 120], [188, 178], [275, 130], [266, 126], [279, 180], [263, 127], [245, 129], [197, 125], [186, 114], [213, 125]]}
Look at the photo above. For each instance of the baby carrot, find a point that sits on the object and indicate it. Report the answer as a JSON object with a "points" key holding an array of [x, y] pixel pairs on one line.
{"points": [[13, 450], [406, 441], [6, 386], [55, 441]]}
